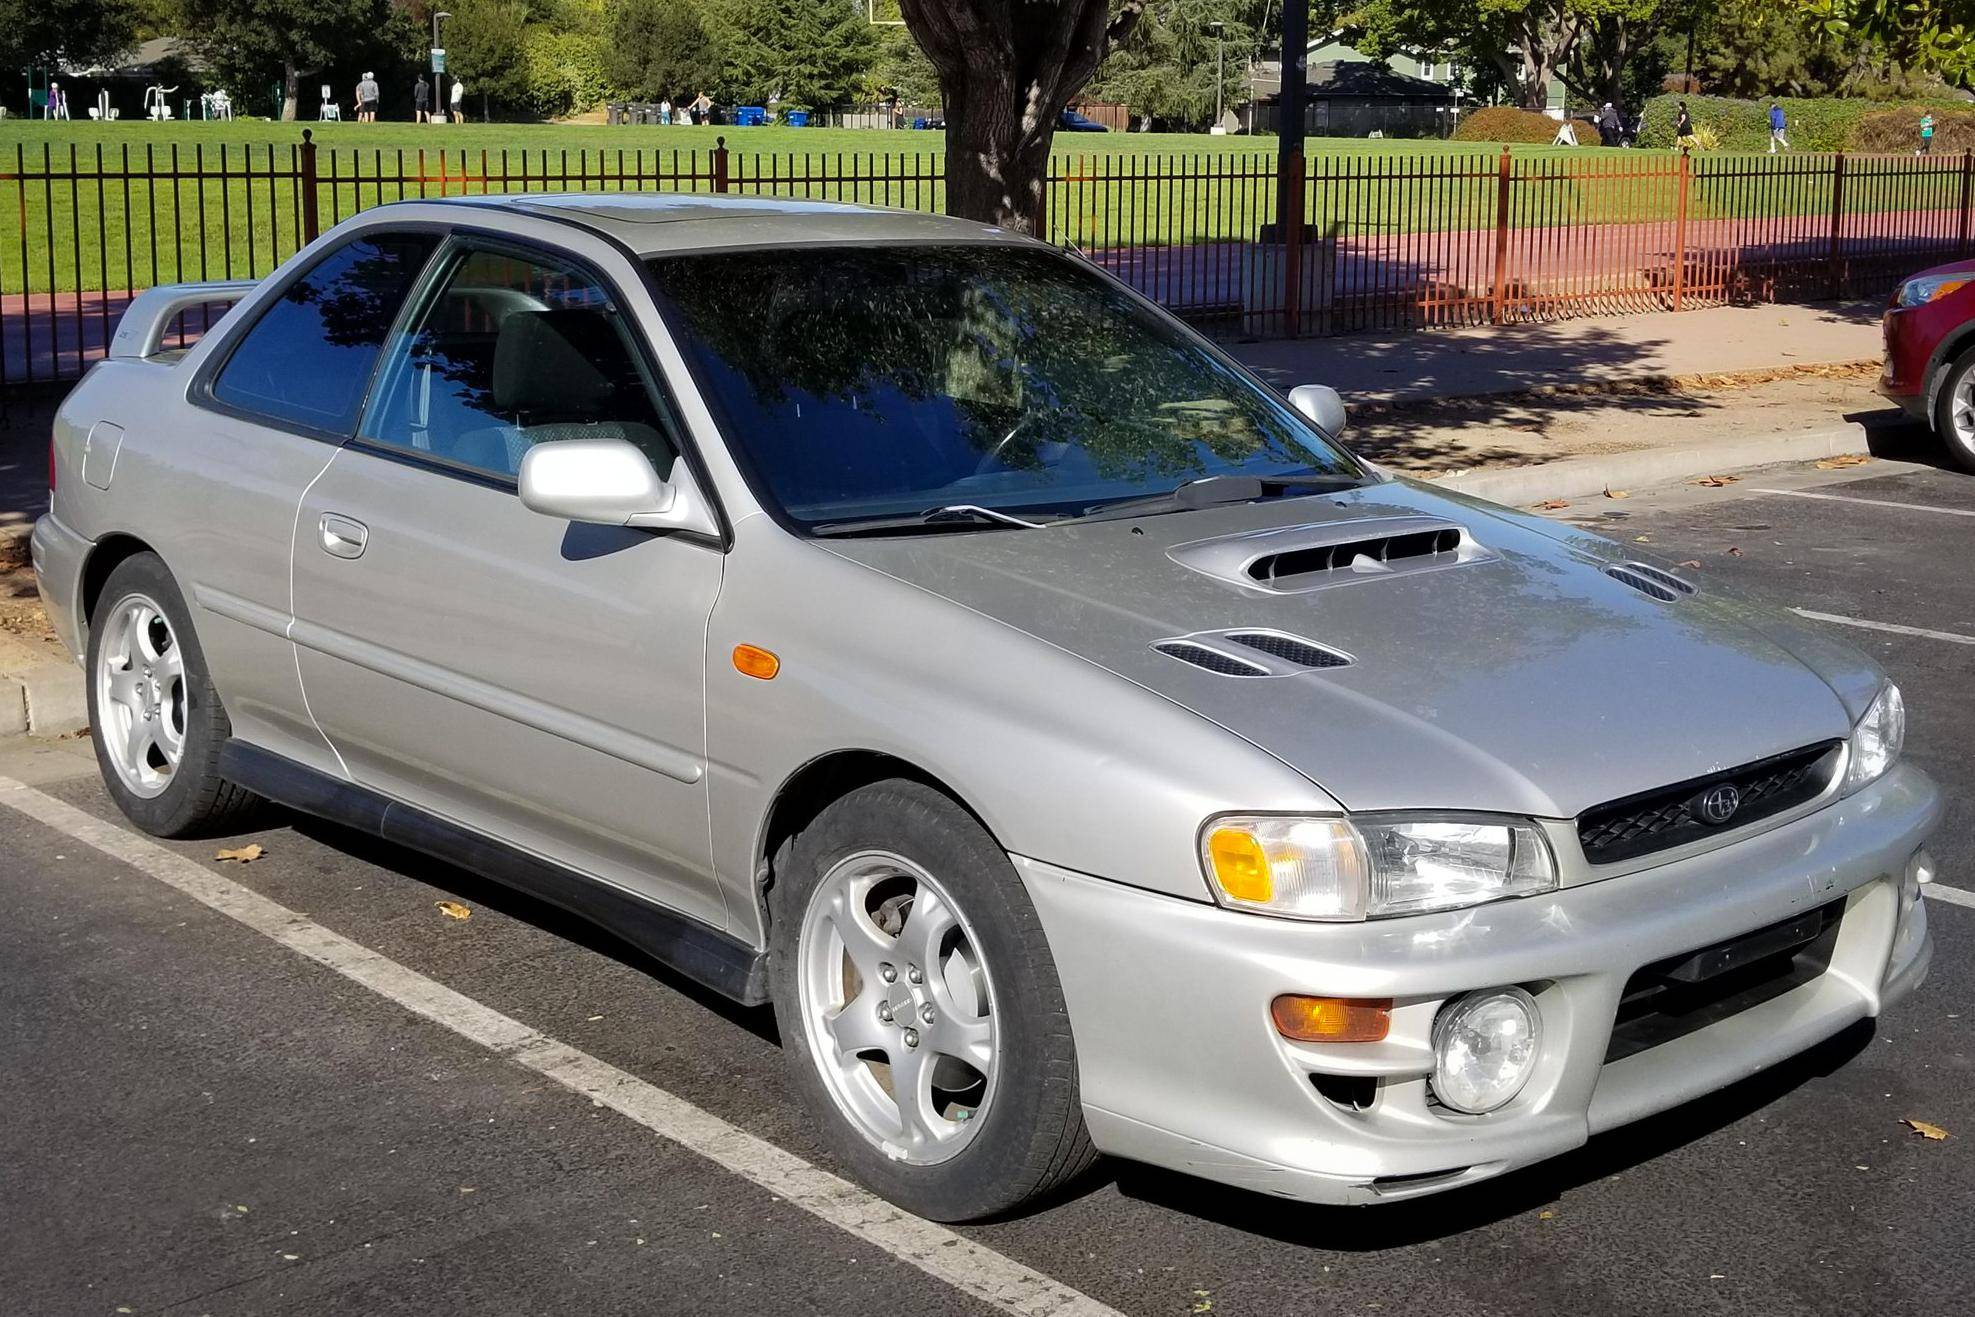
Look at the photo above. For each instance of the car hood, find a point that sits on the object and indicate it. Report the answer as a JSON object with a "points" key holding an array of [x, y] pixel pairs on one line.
{"points": [[1521, 678]]}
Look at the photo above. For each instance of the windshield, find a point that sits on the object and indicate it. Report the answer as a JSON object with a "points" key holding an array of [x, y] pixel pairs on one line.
{"points": [[865, 382]]}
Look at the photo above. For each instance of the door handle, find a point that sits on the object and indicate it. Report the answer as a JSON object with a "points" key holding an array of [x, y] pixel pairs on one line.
{"points": [[343, 537]]}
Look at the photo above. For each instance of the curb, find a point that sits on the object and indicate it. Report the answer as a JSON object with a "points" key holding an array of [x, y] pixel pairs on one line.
{"points": [[45, 700], [1575, 477]]}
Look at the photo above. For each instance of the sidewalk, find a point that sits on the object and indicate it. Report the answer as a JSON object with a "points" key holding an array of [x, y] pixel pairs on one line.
{"points": [[1411, 365]]}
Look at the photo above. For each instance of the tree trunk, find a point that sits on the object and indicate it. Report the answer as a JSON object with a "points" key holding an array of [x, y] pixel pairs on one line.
{"points": [[1006, 73], [291, 86]]}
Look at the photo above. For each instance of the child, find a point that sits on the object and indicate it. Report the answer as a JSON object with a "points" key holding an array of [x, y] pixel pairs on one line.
{"points": [[1926, 134]]}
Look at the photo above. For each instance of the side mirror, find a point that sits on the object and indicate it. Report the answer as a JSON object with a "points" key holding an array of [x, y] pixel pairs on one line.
{"points": [[1321, 404], [610, 482]]}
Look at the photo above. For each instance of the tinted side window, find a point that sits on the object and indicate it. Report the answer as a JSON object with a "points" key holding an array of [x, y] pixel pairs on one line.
{"points": [[308, 358], [514, 352]]}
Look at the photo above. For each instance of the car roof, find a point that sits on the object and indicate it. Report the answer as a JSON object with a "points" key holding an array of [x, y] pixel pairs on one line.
{"points": [[653, 223]]}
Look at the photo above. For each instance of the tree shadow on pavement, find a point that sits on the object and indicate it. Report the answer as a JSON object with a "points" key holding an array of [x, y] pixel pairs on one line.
{"points": [[491, 894], [1438, 1216]]}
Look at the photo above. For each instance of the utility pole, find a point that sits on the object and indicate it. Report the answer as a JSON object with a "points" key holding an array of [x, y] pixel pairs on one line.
{"points": [[1220, 48], [440, 105], [1295, 88]]}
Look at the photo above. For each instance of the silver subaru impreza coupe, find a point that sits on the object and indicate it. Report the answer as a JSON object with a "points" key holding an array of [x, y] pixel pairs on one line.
{"points": [[906, 624]]}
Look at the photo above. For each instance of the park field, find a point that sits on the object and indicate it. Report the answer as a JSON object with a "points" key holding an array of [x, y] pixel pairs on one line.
{"points": [[127, 205]]}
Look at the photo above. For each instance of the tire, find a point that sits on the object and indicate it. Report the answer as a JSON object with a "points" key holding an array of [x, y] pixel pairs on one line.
{"points": [[989, 1137], [1954, 411], [156, 720]]}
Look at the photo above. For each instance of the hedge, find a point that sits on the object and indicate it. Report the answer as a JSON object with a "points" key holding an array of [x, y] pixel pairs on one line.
{"points": [[1507, 123], [1825, 124]]}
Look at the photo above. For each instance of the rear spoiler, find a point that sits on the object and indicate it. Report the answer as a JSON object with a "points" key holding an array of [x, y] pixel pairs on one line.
{"points": [[150, 315]]}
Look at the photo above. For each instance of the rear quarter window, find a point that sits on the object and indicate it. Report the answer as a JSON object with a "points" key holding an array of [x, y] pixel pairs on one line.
{"points": [[306, 362]]}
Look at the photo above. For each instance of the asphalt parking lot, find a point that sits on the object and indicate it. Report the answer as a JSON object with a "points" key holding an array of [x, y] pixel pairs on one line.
{"points": [[232, 1110]]}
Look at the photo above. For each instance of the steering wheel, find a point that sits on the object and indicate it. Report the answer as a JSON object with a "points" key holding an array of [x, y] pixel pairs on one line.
{"points": [[992, 458]]}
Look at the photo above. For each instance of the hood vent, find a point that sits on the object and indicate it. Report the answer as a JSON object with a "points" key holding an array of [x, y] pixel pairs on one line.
{"points": [[1227, 665], [1296, 559], [1290, 649], [1251, 653], [1663, 586], [1354, 555]]}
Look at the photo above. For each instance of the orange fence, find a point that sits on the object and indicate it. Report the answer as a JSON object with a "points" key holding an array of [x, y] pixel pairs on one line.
{"points": [[1240, 242]]}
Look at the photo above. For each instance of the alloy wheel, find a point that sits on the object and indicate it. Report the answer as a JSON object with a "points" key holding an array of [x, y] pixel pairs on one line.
{"points": [[140, 696], [897, 1007]]}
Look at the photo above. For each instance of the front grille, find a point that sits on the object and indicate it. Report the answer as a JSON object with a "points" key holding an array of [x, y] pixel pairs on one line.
{"points": [[1672, 998], [1673, 816]]}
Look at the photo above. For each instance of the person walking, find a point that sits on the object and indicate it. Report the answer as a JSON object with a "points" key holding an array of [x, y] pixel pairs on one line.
{"points": [[367, 99], [1683, 131], [1610, 133], [459, 100], [702, 107], [421, 100], [1926, 134], [1777, 123], [665, 110]]}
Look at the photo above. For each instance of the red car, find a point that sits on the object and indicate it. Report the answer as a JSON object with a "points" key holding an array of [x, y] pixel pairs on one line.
{"points": [[1930, 354]]}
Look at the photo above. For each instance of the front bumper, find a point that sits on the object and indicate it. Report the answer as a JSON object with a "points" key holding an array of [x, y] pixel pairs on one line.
{"points": [[1181, 1067], [59, 554]]}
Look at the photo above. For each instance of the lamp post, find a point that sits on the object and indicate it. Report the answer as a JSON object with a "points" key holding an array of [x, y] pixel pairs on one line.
{"points": [[1220, 83], [439, 79]]}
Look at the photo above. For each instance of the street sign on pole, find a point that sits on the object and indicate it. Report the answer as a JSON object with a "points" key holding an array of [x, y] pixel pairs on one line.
{"points": [[438, 60]]}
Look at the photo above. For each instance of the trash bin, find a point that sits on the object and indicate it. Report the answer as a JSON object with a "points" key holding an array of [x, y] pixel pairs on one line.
{"points": [[798, 118], [749, 116], [613, 112]]}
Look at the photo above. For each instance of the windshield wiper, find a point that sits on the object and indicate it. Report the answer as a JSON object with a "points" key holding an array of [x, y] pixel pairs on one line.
{"points": [[1213, 491], [956, 516]]}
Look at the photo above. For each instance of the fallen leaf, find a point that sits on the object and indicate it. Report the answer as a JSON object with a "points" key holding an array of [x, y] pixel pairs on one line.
{"points": [[1618, 493], [1552, 504], [1691, 562], [1546, 1215], [453, 910], [241, 854], [1716, 482], [1925, 1130], [1734, 552], [1842, 460], [1642, 539]]}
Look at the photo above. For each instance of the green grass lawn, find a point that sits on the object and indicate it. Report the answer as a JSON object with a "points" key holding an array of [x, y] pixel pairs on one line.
{"points": [[235, 211]]}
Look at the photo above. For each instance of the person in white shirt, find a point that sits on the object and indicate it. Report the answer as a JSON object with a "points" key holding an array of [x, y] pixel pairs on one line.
{"points": [[459, 101]]}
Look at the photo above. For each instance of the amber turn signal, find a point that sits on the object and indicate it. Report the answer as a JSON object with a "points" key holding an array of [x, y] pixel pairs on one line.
{"points": [[753, 661], [1332, 1019]]}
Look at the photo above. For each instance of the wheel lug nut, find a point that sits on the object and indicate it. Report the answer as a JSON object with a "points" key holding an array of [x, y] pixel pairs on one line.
{"points": [[887, 973], [912, 973], [884, 1012], [926, 1013], [911, 1037]]}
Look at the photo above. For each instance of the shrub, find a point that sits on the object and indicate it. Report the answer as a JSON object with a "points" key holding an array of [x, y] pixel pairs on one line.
{"points": [[564, 72], [1899, 130], [1506, 123], [1824, 124]]}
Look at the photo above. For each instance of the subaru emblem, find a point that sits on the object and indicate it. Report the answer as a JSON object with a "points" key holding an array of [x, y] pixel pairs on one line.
{"points": [[1718, 804]]}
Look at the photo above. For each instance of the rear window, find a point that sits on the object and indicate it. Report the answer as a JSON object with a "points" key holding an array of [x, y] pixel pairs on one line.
{"points": [[307, 361]]}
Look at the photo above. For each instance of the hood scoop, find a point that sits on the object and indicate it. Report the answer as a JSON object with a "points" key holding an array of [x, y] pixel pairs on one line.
{"points": [[1647, 580], [1295, 559], [1251, 652]]}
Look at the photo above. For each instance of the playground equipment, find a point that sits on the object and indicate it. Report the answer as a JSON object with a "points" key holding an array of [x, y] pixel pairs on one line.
{"points": [[156, 106], [330, 109]]}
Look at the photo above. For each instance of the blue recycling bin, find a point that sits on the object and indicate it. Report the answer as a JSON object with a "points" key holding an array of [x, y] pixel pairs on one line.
{"points": [[798, 118], [750, 116]]}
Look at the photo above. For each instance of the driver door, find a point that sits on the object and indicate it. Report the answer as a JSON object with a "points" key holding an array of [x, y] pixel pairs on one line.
{"points": [[536, 680]]}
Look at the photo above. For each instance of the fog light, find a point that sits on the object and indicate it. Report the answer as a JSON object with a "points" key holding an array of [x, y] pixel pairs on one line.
{"points": [[1484, 1049]]}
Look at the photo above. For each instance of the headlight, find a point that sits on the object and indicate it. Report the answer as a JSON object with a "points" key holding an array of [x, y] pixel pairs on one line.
{"points": [[1876, 741], [1484, 1049], [1336, 869], [1925, 288]]}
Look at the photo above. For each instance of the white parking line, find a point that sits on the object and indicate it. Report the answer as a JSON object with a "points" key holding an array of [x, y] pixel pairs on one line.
{"points": [[1875, 502], [1894, 627], [1952, 895], [960, 1262]]}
